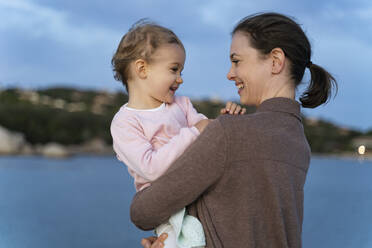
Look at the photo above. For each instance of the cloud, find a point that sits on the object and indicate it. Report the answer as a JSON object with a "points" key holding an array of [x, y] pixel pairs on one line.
{"points": [[211, 13], [347, 58], [48, 41], [37, 21], [365, 14], [44, 45], [339, 12]]}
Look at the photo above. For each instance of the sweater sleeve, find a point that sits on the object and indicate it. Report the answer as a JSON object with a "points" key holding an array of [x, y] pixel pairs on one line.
{"points": [[192, 115], [136, 151], [198, 168]]}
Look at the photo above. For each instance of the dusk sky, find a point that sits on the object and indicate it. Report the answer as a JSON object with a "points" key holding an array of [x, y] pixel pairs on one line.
{"points": [[44, 43]]}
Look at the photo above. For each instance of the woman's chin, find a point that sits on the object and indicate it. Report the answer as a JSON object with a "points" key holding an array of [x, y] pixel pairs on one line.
{"points": [[244, 100]]}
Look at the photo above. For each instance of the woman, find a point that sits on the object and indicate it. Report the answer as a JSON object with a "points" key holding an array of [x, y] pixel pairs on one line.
{"points": [[244, 176]]}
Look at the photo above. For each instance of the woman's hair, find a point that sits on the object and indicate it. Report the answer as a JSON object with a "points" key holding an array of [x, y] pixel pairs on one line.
{"points": [[140, 42], [272, 30]]}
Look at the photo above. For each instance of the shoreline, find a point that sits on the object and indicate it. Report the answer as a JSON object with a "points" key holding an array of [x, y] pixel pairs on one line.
{"points": [[108, 152], [347, 156], [58, 151]]}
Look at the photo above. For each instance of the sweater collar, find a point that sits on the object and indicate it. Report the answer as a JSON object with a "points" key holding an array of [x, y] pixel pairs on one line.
{"points": [[281, 104]]}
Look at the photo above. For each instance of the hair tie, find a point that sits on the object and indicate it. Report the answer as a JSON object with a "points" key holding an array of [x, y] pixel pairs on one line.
{"points": [[309, 64]]}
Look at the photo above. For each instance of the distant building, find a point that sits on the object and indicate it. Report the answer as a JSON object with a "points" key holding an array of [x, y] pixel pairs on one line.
{"points": [[363, 141], [312, 121]]}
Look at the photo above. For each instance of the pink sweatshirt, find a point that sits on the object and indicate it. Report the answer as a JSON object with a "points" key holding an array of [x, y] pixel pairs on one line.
{"points": [[148, 141]]}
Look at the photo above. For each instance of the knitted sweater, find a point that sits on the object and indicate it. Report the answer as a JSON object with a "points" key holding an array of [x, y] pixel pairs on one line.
{"points": [[243, 178]]}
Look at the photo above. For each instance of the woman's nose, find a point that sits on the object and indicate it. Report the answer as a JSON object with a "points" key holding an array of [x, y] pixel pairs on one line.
{"points": [[230, 75]]}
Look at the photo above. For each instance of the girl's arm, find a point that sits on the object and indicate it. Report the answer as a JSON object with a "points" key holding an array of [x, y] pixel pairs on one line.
{"points": [[192, 116], [199, 120], [135, 150], [198, 168]]}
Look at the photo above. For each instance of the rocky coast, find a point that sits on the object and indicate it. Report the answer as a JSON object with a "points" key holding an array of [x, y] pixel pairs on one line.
{"points": [[14, 143]]}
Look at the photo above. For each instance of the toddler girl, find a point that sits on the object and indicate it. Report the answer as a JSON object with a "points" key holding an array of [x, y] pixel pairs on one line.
{"points": [[155, 127]]}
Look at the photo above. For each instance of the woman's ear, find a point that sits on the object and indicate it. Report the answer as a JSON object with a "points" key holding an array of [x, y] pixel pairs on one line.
{"points": [[140, 68], [278, 60]]}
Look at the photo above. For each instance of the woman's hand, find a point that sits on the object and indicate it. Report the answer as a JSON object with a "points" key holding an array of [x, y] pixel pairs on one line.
{"points": [[201, 125], [154, 242], [233, 109]]}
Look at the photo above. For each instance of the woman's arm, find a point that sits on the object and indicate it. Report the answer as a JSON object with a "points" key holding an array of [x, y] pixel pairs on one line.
{"points": [[198, 168]]}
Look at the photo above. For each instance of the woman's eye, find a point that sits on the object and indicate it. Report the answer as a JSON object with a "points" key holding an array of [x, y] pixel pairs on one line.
{"points": [[175, 69], [235, 61]]}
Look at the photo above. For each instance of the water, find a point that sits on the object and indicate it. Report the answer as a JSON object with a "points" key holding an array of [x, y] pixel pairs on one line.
{"points": [[338, 204], [84, 202], [79, 202]]}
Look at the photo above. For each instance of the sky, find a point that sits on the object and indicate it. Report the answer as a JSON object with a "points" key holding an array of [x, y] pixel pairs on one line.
{"points": [[46, 43]]}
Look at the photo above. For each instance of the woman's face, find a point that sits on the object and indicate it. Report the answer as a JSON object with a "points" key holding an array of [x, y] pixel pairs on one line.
{"points": [[250, 70]]}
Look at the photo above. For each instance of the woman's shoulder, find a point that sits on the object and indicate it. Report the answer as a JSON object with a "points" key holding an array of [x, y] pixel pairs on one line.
{"points": [[261, 125], [250, 124], [237, 120]]}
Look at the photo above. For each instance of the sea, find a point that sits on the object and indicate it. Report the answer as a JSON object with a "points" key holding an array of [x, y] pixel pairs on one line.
{"points": [[84, 202]]}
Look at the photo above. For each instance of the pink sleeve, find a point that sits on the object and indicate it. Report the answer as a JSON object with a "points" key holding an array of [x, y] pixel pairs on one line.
{"points": [[136, 151], [192, 115]]}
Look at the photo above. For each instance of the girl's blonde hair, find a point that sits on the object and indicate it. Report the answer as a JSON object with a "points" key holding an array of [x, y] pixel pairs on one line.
{"points": [[140, 42]]}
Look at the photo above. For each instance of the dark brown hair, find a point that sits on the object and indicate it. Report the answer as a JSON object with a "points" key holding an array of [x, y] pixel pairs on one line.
{"points": [[140, 42], [267, 31]]}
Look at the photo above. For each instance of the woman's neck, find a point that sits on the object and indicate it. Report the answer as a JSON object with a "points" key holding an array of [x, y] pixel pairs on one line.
{"points": [[286, 90]]}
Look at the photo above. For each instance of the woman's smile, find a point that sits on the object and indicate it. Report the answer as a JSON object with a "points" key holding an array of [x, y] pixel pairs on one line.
{"points": [[240, 87]]}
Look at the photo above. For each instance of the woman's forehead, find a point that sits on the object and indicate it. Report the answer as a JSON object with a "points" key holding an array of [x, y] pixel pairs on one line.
{"points": [[240, 45]]}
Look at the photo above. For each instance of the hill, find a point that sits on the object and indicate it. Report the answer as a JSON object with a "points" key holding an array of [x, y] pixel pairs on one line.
{"points": [[71, 117]]}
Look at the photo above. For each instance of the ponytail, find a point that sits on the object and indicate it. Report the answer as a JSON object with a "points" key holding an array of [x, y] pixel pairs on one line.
{"points": [[320, 87]]}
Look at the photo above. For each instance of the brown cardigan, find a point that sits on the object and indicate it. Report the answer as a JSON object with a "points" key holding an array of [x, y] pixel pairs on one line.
{"points": [[243, 178]]}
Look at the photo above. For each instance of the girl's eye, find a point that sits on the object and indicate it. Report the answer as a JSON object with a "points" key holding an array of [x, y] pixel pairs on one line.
{"points": [[174, 69], [235, 61]]}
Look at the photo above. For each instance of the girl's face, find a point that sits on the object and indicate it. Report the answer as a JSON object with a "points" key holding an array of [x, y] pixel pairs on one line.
{"points": [[249, 69], [164, 73]]}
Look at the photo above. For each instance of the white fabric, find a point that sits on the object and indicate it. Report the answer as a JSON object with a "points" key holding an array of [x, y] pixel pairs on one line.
{"points": [[184, 231]]}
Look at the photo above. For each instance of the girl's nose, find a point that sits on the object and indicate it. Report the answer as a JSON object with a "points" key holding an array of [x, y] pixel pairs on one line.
{"points": [[179, 79]]}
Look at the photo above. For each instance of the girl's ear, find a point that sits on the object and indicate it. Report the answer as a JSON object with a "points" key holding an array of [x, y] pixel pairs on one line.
{"points": [[278, 60], [140, 68]]}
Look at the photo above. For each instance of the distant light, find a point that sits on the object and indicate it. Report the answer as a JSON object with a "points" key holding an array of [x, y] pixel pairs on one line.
{"points": [[361, 150]]}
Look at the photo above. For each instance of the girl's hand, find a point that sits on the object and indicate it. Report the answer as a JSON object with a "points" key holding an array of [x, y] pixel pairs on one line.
{"points": [[233, 109], [154, 242]]}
